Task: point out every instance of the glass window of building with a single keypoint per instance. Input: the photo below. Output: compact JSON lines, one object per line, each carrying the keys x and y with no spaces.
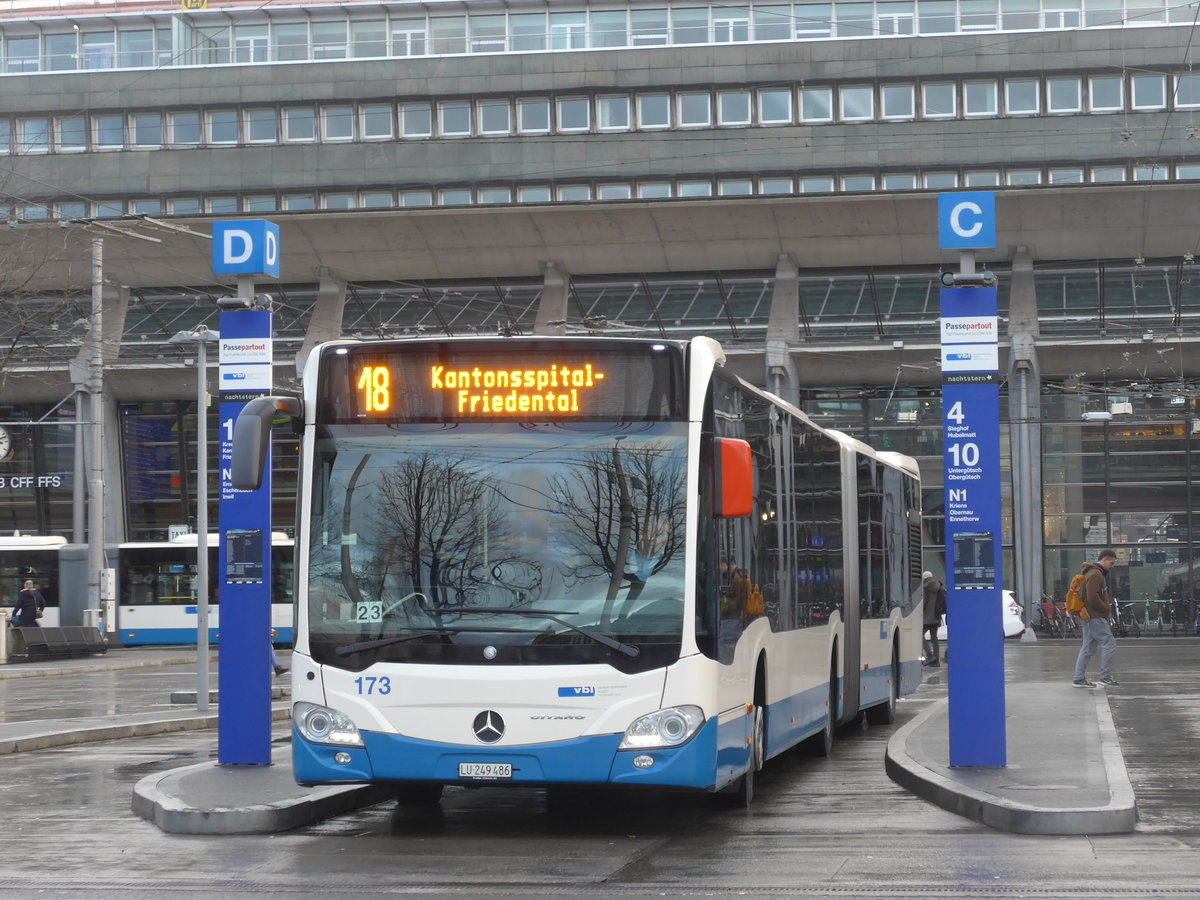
{"x":454,"y":118}
{"x":533,"y":194}
{"x":654,"y":190}
{"x":1151,"y":172}
{"x":112,"y":209}
{"x":776,"y":185}
{"x":33,"y":135}
{"x":33,"y":212}
{"x":568,"y":31}
{"x":896,"y":17}
{"x":735,"y":187}
{"x":979,"y":98}
{"x":409,"y":37}
{"x":108,"y":132}
{"x":1023,"y":177}
{"x":897,"y":101}
{"x":610,"y":28}
{"x":299,"y":123}
{"x":184,"y":206}
{"x":1187,"y":171}
{"x":816,"y":104}
{"x":259,"y":203}
{"x":221,"y":205}
{"x":1108,"y":173}
{"x":291,"y":41}
{"x":694,"y":189}
{"x":448,"y":35}
{"x":375,"y":122}
{"x":416,"y":198}
{"x":1063,"y":95}
{"x":528,"y":32}
{"x":1106,"y":93}
{"x":689,"y":25}
{"x":533,"y":116}
{"x":1020,"y":15}
{"x":368,"y":38}
{"x":251,"y":44}
{"x":62,"y":52}
{"x":299,"y":202}
{"x":654,"y":111}
{"x":981,"y":179}
{"x":694,"y":110}
{"x":165,"y":55}
{"x":854,"y":20}
{"x":649,"y":27}
{"x":816,"y":184}
{"x":979,"y":15}
{"x":22,"y":55}
{"x":1021,"y":96}
{"x":455,"y":197}
{"x":495,"y":195}
{"x":1063,"y":13}
{"x":99,"y":49}
{"x":858,"y":182}
{"x":210,"y":45}
{"x":613,"y":192}
{"x":72,"y":209}
{"x":70,"y":133}
{"x":573,"y":113}
{"x":937,"y":16}
{"x":612,"y":113}
{"x":1066,"y":175}
{"x":813,"y":21}
{"x":574,"y":193}
{"x":900,"y":182}
{"x":330,"y":40}
{"x":730,"y":25}
{"x":775,"y":107}
{"x":772,"y":23}
{"x":1187,"y":90}
{"x":376,"y":199}
{"x":416,"y":120}
{"x":5,"y":137}
{"x":487,"y":34}
{"x":1102,"y":12}
{"x":733,"y":107}
{"x":495,"y":117}
{"x":183,"y":128}
{"x":262,"y":126}
{"x":223,"y":126}
{"x":337,"y":201}
{"x":939,"y":100}
{"x":941,"y":180}
{"x":856,"y":103}
{"x":337,"y":123}
{"x":1149,"y":91}
{"x":146,"y":129}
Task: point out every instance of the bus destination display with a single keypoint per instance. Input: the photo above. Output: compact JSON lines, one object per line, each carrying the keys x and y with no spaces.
{"x":494,"y":381}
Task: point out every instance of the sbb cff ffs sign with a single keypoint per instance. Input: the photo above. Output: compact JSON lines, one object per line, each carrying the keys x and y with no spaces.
{"x":246,"y":247}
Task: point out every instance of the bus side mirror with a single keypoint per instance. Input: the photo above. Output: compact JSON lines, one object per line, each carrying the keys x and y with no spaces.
{"x":252,"y":437}
{"x":733,"y":484}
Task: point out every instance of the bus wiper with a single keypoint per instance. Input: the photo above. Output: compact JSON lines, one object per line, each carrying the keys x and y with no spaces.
{"x":553,"y":615}
{"x":347,"y":649}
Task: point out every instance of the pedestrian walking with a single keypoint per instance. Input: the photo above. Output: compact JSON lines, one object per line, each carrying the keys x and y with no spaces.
{"x":279,"y":670}
{"x":934,"y":596}
{"x":29,"y":606}
{"x":1097,"y":632}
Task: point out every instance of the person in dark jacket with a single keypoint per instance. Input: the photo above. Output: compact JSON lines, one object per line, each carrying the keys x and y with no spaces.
{"x":29,"y":603}
{"x":1097,"y":632}
{"x":933,"y":595}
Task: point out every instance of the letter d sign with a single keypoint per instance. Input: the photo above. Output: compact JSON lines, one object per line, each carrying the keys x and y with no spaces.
{"x":246,"y":247}
{"x":967,"y":221}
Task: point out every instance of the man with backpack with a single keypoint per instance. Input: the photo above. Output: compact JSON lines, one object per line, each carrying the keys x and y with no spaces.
{"x":1097,"y":633}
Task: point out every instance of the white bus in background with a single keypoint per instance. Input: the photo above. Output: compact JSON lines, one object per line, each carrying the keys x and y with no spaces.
{"x":568,"y":561}
{"x":33,"y":558}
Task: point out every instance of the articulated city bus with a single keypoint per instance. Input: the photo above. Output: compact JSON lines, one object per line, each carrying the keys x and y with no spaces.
{"x":568,"y":561}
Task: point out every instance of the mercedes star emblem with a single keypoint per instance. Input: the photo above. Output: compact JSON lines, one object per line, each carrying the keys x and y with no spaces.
{"x":488,"y":727}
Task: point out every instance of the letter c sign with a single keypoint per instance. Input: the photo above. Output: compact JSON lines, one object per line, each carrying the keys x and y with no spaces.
{"x":967,"y":220}
{"x":246,"y":247}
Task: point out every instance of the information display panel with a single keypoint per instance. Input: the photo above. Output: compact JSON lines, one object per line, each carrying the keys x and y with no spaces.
{"x":502,"y":380}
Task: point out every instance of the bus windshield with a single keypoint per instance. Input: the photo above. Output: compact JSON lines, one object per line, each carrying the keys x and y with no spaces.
{"x":498,"y":543}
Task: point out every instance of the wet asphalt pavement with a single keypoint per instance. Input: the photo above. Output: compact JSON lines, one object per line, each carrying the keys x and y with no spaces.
{"x":819,"y":828}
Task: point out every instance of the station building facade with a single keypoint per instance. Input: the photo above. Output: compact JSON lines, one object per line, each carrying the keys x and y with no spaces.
{"x":764,"y":173}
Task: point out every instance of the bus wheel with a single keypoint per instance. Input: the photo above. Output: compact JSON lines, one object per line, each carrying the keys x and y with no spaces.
{"x":741,"y":793}
{"x":418,"y":793}
{"x":885,"y":713}
{"x":821,"y":743}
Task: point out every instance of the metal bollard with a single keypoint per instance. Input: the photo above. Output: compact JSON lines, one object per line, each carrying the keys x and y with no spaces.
{"x":3,"y":637}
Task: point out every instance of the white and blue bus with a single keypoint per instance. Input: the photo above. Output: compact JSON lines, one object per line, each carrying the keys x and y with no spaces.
{"x":576,"y":561}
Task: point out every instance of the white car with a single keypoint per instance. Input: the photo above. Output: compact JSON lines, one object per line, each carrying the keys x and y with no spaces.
{"x":1010,"y":617}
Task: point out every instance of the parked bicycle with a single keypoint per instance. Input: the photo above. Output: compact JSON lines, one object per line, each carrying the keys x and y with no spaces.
{"x":1124,"y":620}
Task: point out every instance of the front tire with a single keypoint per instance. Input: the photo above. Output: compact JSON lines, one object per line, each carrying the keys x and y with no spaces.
{"x":419,"y":794}
{"x":885,"y":713}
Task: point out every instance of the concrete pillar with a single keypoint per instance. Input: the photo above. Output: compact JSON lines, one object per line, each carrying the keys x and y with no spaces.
{"x":325,"y":323}
{"x":783,"y":331}
{"x":556,"y":298}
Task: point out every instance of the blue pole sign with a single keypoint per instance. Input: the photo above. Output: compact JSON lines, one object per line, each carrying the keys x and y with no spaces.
{"x":244,"y":555}
{"x":245,"y":247}
{"x":967,"y":220}
{"x":971,"y":446}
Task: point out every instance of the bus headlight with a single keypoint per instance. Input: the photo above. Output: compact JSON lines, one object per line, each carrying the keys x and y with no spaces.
{"x":665,"y":728}
{"x":323,"y":725}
